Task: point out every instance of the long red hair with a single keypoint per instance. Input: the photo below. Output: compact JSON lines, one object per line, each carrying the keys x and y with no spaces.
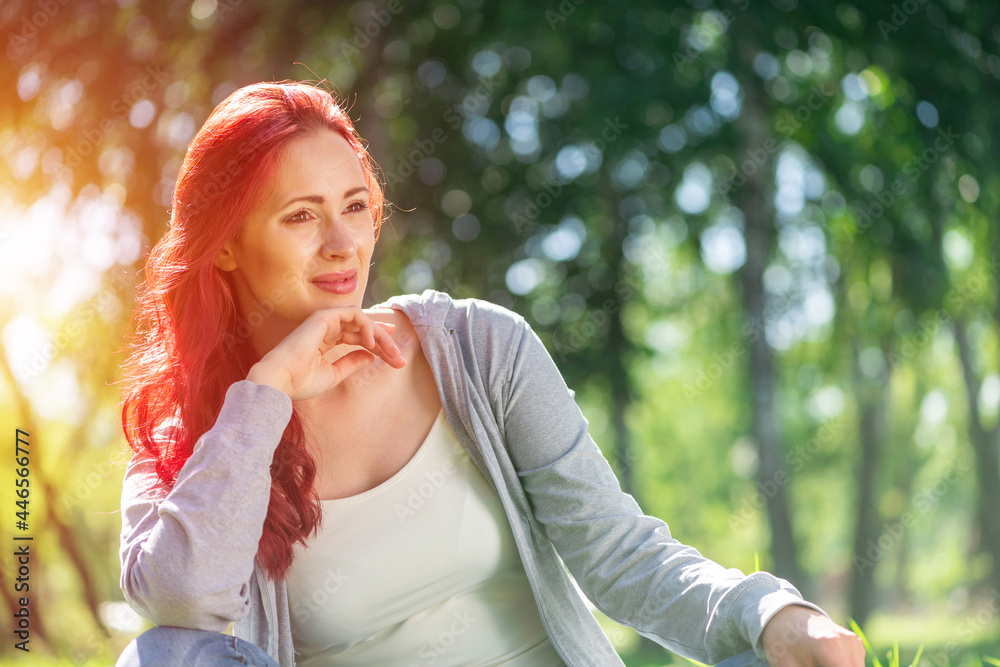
{"x":184,"y":348}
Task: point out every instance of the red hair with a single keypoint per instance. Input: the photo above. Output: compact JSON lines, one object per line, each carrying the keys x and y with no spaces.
{"x":184,"y":350}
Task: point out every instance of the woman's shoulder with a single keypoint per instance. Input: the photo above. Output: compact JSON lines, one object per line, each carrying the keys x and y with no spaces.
{"x":433,"y":307}
{"x":404,"y":335}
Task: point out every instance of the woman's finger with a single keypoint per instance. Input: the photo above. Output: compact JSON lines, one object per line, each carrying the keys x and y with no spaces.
{"x":351,"y":363}
{"x":351,"y":338}
{"x":386,"y":350}
{"x":389,"y":350}
{"x":341,"y":320}
{"x":349,"y":327}
{"x":375,"y":337}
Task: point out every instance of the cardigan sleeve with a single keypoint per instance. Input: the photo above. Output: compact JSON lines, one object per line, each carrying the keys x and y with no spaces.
{"x":187,"y":554}
{"x":626,"y":562}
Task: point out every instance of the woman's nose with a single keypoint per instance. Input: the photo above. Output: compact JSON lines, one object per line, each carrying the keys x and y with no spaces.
{"x":336,"y":239}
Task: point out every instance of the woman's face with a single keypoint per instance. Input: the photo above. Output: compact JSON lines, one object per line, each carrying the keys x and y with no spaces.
{"x":308,"y":245}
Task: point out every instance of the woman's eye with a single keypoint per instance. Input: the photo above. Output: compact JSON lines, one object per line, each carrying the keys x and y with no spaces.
{"x":357,"y":206}
{"x":298,"y":216}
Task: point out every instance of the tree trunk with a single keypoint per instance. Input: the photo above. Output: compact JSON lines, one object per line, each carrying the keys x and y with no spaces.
{"x":618,"y":344}
{"x":907,"y":472}
{"x":984,"y":444}
{"x":753,"y":199}
{"x":872,"y":428}
{"x":621,"y":396}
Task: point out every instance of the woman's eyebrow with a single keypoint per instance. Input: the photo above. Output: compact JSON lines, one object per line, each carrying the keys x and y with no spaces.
{"x":320,"y":199}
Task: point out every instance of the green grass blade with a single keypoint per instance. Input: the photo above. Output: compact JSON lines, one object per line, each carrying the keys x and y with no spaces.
{"x":864,"y":640}
{"x":992,"y":661}
{"x":916,"y":660}
{"x":894,"y":655}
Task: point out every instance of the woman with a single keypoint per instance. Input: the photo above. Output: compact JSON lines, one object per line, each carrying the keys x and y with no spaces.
{"x":393,"y":486}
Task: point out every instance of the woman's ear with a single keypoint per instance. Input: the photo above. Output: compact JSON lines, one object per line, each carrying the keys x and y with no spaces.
{"x":225,"y":259}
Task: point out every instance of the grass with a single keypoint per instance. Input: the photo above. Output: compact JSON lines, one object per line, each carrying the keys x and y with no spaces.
{"x":970,"y":656}
{"x":935,"y":632}
{"x":637,"y":653}
{"x":893,"y":655}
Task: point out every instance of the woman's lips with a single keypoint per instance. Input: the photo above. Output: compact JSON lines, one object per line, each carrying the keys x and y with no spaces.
{"x":343,"y":282}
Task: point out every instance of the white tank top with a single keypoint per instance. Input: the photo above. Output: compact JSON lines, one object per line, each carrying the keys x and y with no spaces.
{"x":420,"y":570}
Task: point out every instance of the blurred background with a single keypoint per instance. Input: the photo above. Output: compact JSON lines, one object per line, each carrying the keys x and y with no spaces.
{"x":759,"y":239}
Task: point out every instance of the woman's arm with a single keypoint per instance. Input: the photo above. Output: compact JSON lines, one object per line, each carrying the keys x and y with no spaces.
{"x":187,"y":555}
{"x":626,"y":562}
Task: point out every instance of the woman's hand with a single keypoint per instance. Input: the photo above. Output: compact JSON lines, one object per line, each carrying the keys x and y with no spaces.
{"x":798,"y":636}
{"x":296,"y":365}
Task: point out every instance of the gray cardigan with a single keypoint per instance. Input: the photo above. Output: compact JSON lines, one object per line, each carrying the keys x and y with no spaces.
{"x":187,"y":555}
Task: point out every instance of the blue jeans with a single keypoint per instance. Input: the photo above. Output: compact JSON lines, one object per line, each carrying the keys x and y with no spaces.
{"x":167,"y":646}
{"x":745,"y":659}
